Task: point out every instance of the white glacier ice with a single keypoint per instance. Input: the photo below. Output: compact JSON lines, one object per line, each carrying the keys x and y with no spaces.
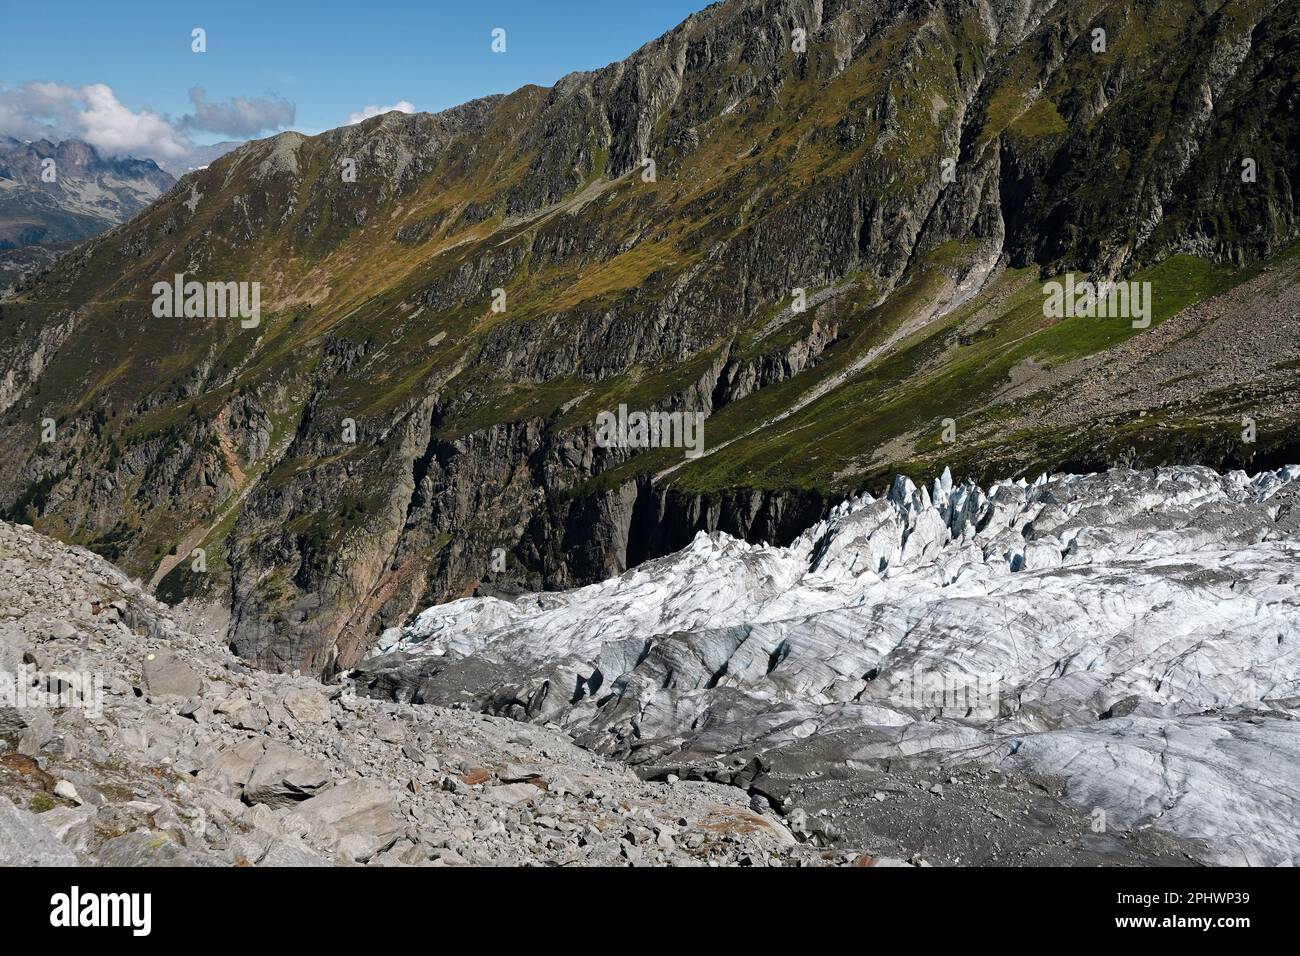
{"x":1133,"y":633}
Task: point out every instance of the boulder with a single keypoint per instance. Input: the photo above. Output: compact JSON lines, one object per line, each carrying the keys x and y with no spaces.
{"x":253,"y":717}
{"x":38,"y":732}
{"x":164,"y":674}
{"x":362,"y":813}
{"x":269,"y":772}
{"x":283,"y":776}
{"x":511,"y":794}
{"x":26,"y":841}
{"x":231,"y":704}
{"x":307,"y":706}
{"x":74,"y":828}
{"x":152,"y":849}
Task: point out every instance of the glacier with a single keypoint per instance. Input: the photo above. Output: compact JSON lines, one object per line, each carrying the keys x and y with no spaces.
{"x":1132,"y":634}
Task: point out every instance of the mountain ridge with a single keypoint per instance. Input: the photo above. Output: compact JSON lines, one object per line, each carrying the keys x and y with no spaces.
{"x":774,"y":171}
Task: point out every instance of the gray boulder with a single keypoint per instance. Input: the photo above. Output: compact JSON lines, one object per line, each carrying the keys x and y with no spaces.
{"x":307,"y":706}
{"x":268,"y":772}
{"x":152,"y":849}
{"x":164,"y":674}
{"x":362,"y":813}
{"x":73,"y":827}
{"x":26,"y":841}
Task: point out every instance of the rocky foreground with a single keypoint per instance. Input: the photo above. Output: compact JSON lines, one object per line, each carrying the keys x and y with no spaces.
{"x":174,"y":752}
{"x":1100,"y":668}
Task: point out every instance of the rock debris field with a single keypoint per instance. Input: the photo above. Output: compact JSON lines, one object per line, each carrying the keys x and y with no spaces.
{"x":194,"y":759}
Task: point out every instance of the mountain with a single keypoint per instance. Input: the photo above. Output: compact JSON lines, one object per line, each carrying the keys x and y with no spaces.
{"x":198,"y":157}
{"x":61,"y":192}
{"x":451,"y":304}
{"x":1132,"y":634}
{"x":21,"y":262}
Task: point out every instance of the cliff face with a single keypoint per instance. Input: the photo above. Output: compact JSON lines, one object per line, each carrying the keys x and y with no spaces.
{"x":448,"y":301}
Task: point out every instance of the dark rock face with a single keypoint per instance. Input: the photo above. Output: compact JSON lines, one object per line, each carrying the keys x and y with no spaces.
{"x":387,"y":437}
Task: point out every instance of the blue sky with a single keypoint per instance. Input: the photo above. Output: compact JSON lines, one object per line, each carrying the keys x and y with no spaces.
{"x":319,"y":61}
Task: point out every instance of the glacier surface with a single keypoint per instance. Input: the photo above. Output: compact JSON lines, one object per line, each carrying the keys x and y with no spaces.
{"x":1133,"y":634}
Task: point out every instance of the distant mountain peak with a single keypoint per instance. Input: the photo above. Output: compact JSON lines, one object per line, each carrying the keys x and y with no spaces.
{"x":66,"y":191}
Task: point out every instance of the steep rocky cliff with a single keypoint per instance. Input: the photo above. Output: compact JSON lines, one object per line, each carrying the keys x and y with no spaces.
{"x":825,"y":226}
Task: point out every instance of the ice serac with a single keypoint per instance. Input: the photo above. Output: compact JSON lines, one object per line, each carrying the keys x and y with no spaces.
{"x":1132,"y":633}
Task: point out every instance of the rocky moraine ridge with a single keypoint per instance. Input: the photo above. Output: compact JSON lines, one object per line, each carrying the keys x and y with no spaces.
{"x":184,"y":756}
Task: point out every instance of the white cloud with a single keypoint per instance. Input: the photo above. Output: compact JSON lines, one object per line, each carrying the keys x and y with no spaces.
{"x":37,"y":110}
{"x":113,"y":129}
{"x":240,"y":116}
{"x":94,"y":113}
{"x":402,"y":106}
